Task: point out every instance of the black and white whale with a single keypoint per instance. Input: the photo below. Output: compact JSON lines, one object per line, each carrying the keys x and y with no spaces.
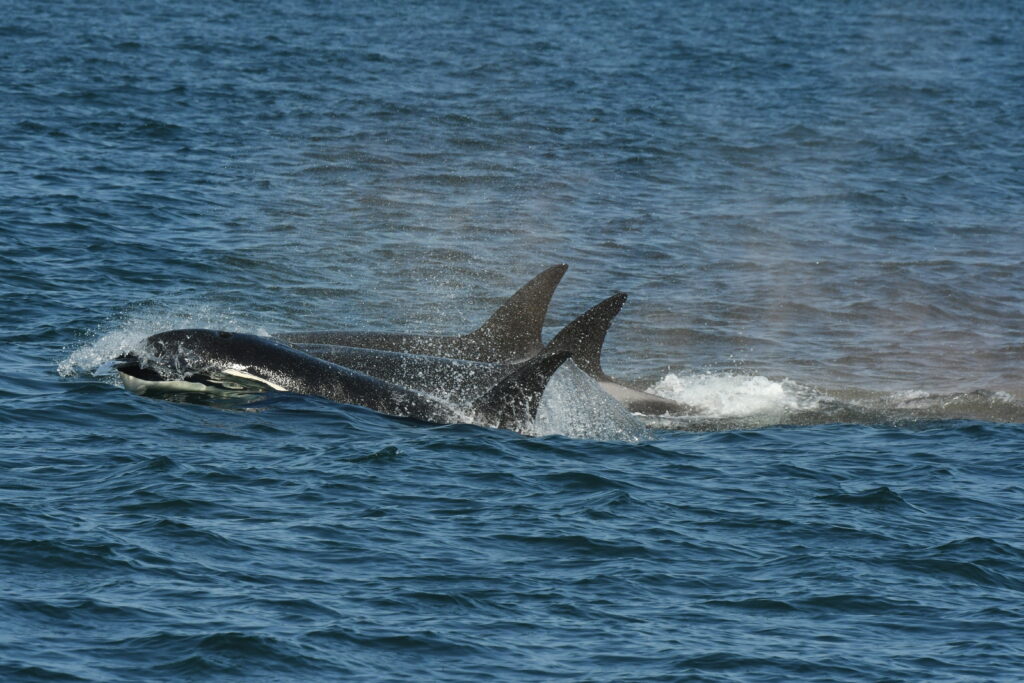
{"x":512,"y":333}
{"x":455,"y":365}
{"x":453,"y":377}
{"x":199,"y":359}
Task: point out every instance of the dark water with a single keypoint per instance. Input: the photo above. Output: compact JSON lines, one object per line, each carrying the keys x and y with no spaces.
{"x":816,"y":211}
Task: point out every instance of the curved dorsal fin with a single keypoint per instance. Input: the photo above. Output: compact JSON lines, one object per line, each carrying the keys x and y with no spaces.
{"x":513,"y":401}
{"x":514,"y":329}
{"x":584,"y":336}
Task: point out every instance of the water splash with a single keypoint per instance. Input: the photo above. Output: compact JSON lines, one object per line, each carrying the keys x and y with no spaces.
{"x":125,"y":333}
{"x":749,"y":401}
{"x":574,"y":405}
{"x":732,"y":396}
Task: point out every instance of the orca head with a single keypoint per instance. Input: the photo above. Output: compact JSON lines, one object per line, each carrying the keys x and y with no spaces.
{"x":195,"y":340}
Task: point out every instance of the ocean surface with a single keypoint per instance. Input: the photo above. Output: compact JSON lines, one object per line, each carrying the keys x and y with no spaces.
{"x":816,"y":208}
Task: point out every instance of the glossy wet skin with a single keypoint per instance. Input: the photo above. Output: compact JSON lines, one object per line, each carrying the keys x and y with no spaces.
{"x":510,"y":403}
{"x":445,"y":377}
{"x":200,"y":350}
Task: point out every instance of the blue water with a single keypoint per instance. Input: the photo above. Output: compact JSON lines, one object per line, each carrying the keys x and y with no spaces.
{"x":816,"y":211}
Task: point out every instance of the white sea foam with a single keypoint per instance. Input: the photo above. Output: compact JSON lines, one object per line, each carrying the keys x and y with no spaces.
{"x":908,"y":395}
{"x":732,"y":396}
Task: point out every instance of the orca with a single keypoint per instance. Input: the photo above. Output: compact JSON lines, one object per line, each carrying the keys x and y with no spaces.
{"x":454,"y":377}
{"x":445,"y":375}
{"x":512,"y":333}
{"x":584,"y":338}
{"x":212,"y":360}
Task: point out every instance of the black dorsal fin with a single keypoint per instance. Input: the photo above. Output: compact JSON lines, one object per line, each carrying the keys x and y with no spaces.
{"x":513,"y":331}
{"x":584,"y":336}
{"x":512,"y":403}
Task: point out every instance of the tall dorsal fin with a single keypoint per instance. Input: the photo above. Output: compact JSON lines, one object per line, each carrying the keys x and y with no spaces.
{"x":514,"y":329}
{"x":584,"y":336}
{"x":513,"y":401}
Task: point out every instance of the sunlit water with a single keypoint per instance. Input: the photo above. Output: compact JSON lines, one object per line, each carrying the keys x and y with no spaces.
{"x":816,"y":211}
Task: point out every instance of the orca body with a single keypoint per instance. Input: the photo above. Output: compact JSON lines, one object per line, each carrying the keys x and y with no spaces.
{"x":217,"y":360}
{"x":512,"y":333}
{"x":452,"y":377}
{"x":435,"y":375}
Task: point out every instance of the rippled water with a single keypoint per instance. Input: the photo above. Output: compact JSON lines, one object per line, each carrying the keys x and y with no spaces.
{"x":816,"y":211}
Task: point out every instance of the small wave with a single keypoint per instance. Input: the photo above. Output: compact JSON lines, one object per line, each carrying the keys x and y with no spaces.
{"x":959,"y":571}
{"x":78,"y":609}
{"x":422,"y":641}
{"x":881,"y":498}
{"x":981,"y":549}
{"x":15,"y":672}
{"x":64,"y":554}
{"x":860,"y":604}
{"x":977,"y":559}
{"x":578,"y":544}
{"x":220,"y":652}
{"x":383,"y":455}
{"x":755,"y":605}
{"x":158,"y":129}
{"x":583,"y":481}
{"x":781,"y":667}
